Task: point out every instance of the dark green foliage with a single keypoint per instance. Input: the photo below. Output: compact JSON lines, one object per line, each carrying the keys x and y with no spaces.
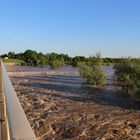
{"x":42,"y":59}
{"x":30,"y":57}
{"x":93,"y":72}
{"x":94,"y":75}
{"x":55,"y":64}
{"x":12,"y":55}
{"x":127,"y":71}
{"x":74,"y":63}
{"x":110,"y":61}
{"x":78,"y":60}
{"x":34,"y":58}
{"x":55,"y":60}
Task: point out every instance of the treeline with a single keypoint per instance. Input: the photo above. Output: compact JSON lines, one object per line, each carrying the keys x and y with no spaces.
{"x":127,"y":70}
{"x":33,"y":58}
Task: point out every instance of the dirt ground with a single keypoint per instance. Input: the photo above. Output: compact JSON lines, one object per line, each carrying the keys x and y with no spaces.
{"x":59,"y":106}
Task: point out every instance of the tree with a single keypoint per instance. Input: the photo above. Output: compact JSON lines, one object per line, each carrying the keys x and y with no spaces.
{"x":55,"y":60}
{"x":62,"y":61}
{"x":127,"y":72}
{"x":12,"y":55}
{"x":30,"y":57}
{"x":42,"y":59}
{"x":74,"y":63}
{"x":93,"y":72}
{"x":55,"y":64}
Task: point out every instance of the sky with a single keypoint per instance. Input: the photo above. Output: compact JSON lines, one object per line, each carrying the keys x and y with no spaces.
{"x":74,"y":27}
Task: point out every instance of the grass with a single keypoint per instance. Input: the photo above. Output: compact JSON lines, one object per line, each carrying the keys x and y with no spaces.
{"x":13,"y":61}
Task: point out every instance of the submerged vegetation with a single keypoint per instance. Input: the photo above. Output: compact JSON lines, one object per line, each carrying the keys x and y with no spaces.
{"x":127,"y":70}
{"x":92,"y":71}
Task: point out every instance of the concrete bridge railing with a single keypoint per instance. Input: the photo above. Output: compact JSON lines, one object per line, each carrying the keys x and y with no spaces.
{"x":19,"y":127}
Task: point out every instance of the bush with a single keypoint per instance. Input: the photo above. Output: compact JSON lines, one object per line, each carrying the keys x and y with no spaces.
{"x":74,"y":63}
{"x":56,"y":64}
{"x":94,"y":75}
{"x":93,"y":72}
{"x":128,"y":73}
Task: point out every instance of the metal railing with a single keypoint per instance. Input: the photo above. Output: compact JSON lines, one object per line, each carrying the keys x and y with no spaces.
{"x":19,"y":127}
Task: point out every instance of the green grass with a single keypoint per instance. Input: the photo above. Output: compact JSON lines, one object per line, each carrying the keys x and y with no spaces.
{"x":13,"y":61}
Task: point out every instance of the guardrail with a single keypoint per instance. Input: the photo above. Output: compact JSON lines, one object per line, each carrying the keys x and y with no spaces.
{"x":19,"y":127}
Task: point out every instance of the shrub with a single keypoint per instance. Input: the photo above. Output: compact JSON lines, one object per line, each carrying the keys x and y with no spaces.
{"x":93,"y":72}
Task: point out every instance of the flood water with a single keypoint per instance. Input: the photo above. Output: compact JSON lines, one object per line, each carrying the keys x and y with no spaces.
{"x":60,"y":105}
{"x":67,"y":79}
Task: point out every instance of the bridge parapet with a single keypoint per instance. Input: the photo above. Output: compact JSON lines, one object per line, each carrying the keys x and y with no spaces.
{"x":4,"y":129}
{"x":19,"y":127}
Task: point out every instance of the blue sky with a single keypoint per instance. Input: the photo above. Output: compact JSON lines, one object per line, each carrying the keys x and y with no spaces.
{"x":75,"y":27}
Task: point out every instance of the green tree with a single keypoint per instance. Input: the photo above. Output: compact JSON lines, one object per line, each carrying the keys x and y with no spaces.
{"x":93,"y":71}
{"x":30,"y":57}
{"x":55,"y":64}
{"x":55,"y":60}
{"x":12,"y":55}
{"x":62,"y":61}
{"x":127,"y":72}
{"x":42,"y":59}
{"x":74,"y":62}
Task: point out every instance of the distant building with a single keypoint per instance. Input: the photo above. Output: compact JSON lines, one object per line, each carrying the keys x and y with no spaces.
{"x":5,"y":57}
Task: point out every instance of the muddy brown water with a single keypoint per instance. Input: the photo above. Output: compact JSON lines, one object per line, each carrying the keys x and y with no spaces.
{"x":60,"y":105}
{"x":71,"y":82}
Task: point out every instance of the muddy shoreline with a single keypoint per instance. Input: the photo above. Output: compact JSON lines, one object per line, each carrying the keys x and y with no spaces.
{"x":59,"y":106}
